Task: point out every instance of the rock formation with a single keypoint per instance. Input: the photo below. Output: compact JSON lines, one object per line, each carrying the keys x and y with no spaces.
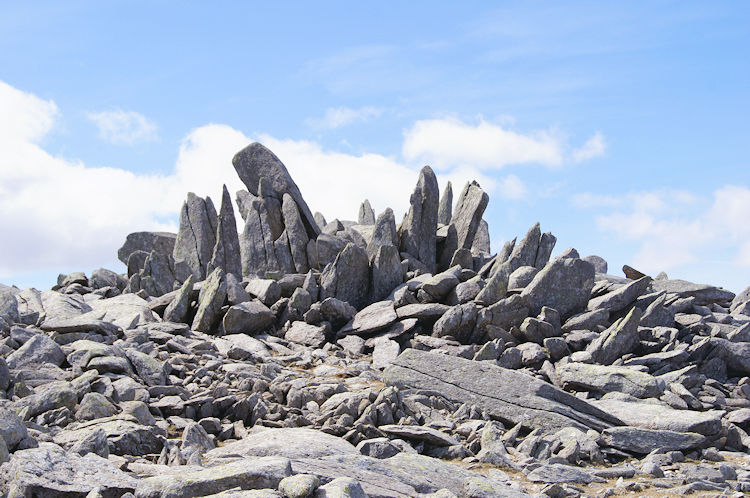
{"x":305,"y":358}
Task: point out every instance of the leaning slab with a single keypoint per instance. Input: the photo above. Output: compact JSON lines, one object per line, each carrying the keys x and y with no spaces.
{"x":508,"y":395}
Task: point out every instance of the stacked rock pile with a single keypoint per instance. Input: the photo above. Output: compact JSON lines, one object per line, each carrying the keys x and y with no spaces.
{"x":297,"y":357}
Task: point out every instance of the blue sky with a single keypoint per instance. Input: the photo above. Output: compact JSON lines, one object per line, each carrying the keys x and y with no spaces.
{"x":622,"y":127}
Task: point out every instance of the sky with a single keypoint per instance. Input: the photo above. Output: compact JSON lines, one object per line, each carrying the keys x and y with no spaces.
{"x":622,"y":127}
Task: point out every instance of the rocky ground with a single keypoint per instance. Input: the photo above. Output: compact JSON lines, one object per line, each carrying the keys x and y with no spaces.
{"x":303,"y":358}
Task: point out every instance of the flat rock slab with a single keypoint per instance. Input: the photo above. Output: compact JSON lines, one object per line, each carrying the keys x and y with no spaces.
{"x":556,"y":473}
{"x":422,"y":311}
{"x":508,"y":395}
{"x":49,"y":471}
{"x":662,"y":417}
{"x":402,"y":475}
{"x":604,"y":379}
{"x":419,"y":433}
{"x":290,"y":443}
{"x":373,"y":318}
{"x":249,"y":473}
{"x":643,"y":441}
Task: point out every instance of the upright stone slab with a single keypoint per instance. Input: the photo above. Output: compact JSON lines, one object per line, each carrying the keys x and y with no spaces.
{"x":387,"y":272}
{"x":507,"y":395}
{"x":210,"y":300}
{"x":384,"y":234}
{"x":469,"y":210}
{"x":417,"y":232}
{"x":296,"y":232}
{"x":366,"y":214}
{"x":481,"y":244}
{"x":445,"y":209}
{"x":226,"y":254}
{"x":524,"y":253}
{"x":197,"y":235}
{"x":546,"y":245}
{"x":255,"y":162}
{"x":347,"y":278}
{"x":256,"y":242}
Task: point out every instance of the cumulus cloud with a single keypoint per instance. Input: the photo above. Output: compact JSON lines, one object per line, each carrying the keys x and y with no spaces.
{"x":123,"y":127}
{"x":511,"y":187}
{"x":60,"y":214}
{"x":450,"y":142}
{"x":676,"y":228}
{"x":594,"y":147}
{"x":337,"y":117}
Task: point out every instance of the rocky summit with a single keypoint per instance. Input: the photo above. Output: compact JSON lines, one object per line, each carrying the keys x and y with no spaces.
{"x":297,"y":357}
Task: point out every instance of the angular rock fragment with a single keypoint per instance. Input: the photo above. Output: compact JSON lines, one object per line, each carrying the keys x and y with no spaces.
{"x":226,"y":252}
{"x":161,"y":242}
{"x":197,"y":235}
{"x":250,"y":317}
{"x":506,"y":395}
{"x":211,"y":299}
{"x":469,"y":210}
{"x":177,"y":310}
{"x":617,"y":340}
{"x":563,"y":285}
{"x":417,"y":231}
{"x":296,"y":232}
{"x":366,"y":214}
{"x":445,"y":207}
{"x":347,"y":278}
{"x":643,"y":441}
{"x":387,"y":272}
{"x":621,"y":298}
{"x":604,"y":379}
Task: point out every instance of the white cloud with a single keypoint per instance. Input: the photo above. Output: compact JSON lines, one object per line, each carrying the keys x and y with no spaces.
{"x":123,"y":127}
{"x":594,"y":147}
{"x":450,"y":142}
{"x":676,"y":229}
{"x":511,"y":187}
{"x":59,"y":214}
{"x":336,"y":117}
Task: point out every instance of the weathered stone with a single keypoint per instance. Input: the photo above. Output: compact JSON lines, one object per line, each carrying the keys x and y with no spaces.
{"x":197,"y":235}
{"x":148,"y":368}
{"x":469,"y":210}
{"x":347,"y":278}
{"x":504,"y":394}
{"x":417,"y":231}
{"x":210,"y":300}
{"x":303,"y":333}
{"x":366,"y":214}
{"x":384,"y":233}
{"x":125,"y":436}
{"x":161,"y":242}
{"x":384,"y":353}
{"x":293,"y":443}
{"x":422,"y":311}
{"x":373,"y":318}
{"x":283,"y":254}
{"x":522,"y":277}
{"x":387,"y":272}
{"x":621,"y":298}
{"x":600,"y":264}
{"x":268,"y":291}
{"x":458,"y":322}
{"x":250,"y":317}
{"x":496,"y":287}
{"x":177,"y":310}
{"x":49,"y":471}
{"x":93,"y":406}
{"x":226,"y":251}
{"x":659,"y":416}
{"x":297,"y":233}
{"x":617,"y":340}
{"x":639,"y":440}
{"x":255,"y":162}
{"x":12,"y":428}
{"x":481,"y":245}
{"x":588,"y":320}
{"x":600,"y":378}
{"x":557,"y":472}
{"x":546,"y":245}
{"x":341,"y":487}
{"x":563,"y":285}
{"x":419,"y":433}
{"x":39,"y":349}
{"x":250,"y":473}
{"x":441,"y":284}
{"x":703,"y":294}
{"x":445,"y":208}
{"x":47,"y":397}
{"x":324,"y":250}
{"x":524,"y":253}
